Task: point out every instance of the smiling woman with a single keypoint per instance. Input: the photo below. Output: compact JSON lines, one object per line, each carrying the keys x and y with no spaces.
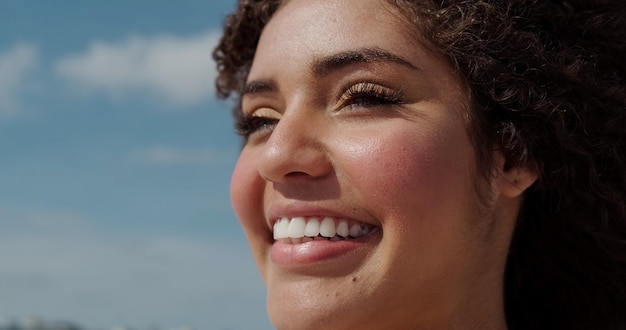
{"x":432,"y":165}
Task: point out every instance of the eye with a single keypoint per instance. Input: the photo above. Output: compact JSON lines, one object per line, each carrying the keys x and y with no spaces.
{"x":261,"y":120}
{"x":249,"y":125}
{"x":368,"y":95}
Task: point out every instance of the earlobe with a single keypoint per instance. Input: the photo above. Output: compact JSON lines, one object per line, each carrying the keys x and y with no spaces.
{"x":514,"y":181}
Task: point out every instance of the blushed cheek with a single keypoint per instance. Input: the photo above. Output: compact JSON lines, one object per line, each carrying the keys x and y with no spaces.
{"x":416,"y":173}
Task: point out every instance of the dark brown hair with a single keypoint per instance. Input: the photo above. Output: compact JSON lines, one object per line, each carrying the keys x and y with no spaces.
{"x":548,"y":88}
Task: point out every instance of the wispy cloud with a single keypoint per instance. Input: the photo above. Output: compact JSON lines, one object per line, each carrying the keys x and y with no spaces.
{"x":16,"y":64}
{"x":57,"y":220}
{"x":35,"y":219}
{"x":178,"y":69}
{"x":173,"y":156}
{"x":100,"y":281}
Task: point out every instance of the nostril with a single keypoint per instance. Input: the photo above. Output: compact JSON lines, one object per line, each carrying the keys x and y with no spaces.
{"x":296,"y":175}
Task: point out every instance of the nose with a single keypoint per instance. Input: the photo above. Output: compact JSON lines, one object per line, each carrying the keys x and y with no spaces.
{"x":295,"y":150}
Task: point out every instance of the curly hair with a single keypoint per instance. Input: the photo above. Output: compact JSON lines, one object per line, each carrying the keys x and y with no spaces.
{"x":547,"y":79}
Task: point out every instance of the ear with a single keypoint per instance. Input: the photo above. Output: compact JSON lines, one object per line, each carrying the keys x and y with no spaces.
{"x":512,"y":182}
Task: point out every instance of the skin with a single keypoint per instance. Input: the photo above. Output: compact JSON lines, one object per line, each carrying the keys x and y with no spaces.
{"x":437,"y":259}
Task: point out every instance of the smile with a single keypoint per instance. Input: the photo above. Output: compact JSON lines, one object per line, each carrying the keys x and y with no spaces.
{"x":299,"y":230}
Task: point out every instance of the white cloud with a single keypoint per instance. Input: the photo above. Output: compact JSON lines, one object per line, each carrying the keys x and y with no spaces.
{"x":178,"y":69}
{"x":15,"y":65}
{"x":172,"y":156}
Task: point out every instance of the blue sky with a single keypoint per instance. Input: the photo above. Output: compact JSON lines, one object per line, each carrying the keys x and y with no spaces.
{"x":114,"y":168}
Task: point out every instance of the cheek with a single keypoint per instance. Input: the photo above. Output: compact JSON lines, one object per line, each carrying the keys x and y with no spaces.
{"x":404,"y":174}
{"x":420,"y":187}
{"x":246,"y":192}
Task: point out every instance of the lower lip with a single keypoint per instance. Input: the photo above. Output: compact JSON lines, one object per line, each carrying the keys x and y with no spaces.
{"x":293,"y":255}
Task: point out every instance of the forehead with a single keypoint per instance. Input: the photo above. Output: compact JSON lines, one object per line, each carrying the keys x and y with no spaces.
{"x":332,"y":14}
{"x":315,"y":28}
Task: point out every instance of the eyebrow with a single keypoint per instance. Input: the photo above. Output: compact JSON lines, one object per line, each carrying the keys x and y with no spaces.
{"x":258,"y":86}
{"x":328,"y":64}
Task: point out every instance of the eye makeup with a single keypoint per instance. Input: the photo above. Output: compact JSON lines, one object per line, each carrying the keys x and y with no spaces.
{"x":368,"y":95}
{"x":358,"y":96}
{"x":246,"y":125}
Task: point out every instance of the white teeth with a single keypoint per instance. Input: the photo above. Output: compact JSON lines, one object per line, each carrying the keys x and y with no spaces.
{"x":342,"y":229}
{"x":312,"y":228}
{"x":302,"y":230}
{"x":327,"y":227}
{"x":296,"y":227}
{"x":281,"y":229}
{"x":355,"y":231}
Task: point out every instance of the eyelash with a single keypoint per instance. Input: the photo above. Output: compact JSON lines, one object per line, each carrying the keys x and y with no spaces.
{"x":249,"y":124}
{"x":363,"y":95}
{"x":367,"y":95}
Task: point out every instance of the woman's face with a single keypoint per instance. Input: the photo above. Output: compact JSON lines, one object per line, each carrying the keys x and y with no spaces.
{"x":357,"y":186}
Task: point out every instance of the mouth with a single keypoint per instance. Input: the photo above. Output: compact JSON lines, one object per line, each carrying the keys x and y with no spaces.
{"x":299,"y":230}
{"x":302,"y":242}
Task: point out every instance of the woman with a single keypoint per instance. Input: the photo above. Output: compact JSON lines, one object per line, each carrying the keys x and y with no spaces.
{"x":432,"y":164}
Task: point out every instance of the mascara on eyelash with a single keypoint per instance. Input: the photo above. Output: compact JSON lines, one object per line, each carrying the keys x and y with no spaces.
{"x":248,"y":124}
{"x":380,"y":93}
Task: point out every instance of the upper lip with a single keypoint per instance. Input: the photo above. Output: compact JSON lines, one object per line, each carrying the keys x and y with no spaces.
{"x":296,"y":209}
